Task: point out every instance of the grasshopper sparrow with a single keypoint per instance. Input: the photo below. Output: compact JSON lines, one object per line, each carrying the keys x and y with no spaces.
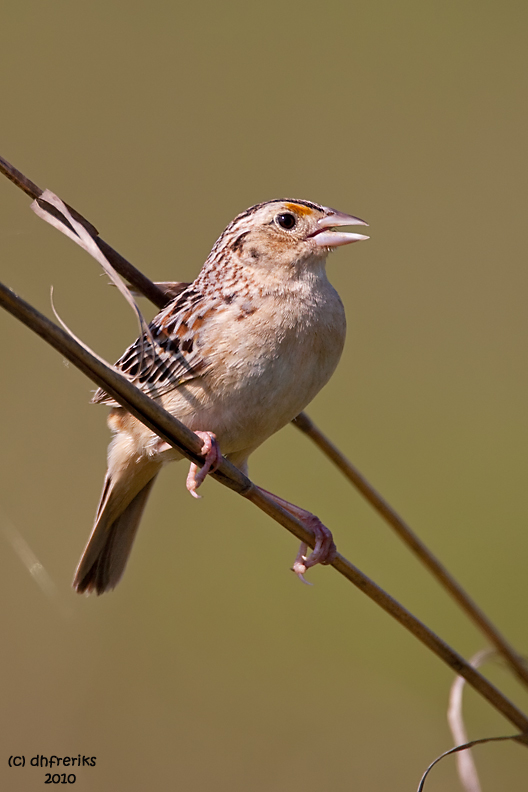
{"x":235,"y":356}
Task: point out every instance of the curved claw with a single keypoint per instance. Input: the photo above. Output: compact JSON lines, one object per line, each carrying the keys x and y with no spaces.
{"x":213,"y":457}
{"x":324,"y":551}
{"x":299,"y":565}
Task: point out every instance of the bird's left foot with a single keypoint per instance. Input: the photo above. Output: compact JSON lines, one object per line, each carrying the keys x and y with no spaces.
{"x":213,"y":457}
{"x":324,"y":551}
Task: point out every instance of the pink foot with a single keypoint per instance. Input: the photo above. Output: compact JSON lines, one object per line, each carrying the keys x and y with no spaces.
{"x":213,"y":457}
{"x":324,"y":551}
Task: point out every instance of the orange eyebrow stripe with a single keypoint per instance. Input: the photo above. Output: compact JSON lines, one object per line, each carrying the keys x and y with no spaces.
{"x":299,"y":209}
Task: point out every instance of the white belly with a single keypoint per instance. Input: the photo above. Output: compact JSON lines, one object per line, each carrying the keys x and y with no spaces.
{"x":266,"y":375}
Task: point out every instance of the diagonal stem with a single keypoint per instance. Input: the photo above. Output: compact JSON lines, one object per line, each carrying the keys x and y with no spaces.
{"x":407,"y":535}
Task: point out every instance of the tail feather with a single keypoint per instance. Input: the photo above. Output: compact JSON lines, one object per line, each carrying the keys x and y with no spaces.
{"x":106,"y":554}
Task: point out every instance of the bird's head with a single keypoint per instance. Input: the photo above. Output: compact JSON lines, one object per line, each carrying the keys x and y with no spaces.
{"x":286,"y":233}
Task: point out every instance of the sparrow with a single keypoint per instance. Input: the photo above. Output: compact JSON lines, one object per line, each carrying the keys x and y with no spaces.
{"x":235,"y":356}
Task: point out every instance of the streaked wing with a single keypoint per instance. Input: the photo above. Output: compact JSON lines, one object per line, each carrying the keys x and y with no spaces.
{"x":174,"y":358}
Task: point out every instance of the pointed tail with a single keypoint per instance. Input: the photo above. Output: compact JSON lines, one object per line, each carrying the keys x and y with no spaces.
{"x":106,"y":554}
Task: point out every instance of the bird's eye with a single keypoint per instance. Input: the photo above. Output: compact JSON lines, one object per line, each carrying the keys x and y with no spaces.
{"x":286,"y":221}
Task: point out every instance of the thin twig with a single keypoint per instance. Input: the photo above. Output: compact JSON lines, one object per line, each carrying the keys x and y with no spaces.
{"x":306,"y":425}
{"x":175,"y":433}
{"x":518,"y":738}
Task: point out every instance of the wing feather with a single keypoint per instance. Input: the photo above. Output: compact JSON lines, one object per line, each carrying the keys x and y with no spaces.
{"x":172,"y":357}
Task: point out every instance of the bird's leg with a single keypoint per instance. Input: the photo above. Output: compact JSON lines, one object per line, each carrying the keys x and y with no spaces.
{"x":324,"y":551}
{"x":213,"y":457}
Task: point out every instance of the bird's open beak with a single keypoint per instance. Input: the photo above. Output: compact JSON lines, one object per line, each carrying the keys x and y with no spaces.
{"x":325,"y":237}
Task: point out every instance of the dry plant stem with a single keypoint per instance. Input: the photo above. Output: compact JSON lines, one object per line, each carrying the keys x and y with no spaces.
{"x":120,"y":264}
{"x":466,"y":768}
{"x":306,"y":425}
{"x":175,"y":433}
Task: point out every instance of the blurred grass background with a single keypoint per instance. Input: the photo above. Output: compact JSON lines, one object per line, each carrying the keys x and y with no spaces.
{"x":210,"y":667}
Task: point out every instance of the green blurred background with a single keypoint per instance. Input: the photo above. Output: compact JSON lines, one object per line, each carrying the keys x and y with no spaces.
{"x":211,"y":667}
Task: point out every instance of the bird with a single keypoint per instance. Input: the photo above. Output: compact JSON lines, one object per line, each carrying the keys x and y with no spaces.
{"x":235,"y":355}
